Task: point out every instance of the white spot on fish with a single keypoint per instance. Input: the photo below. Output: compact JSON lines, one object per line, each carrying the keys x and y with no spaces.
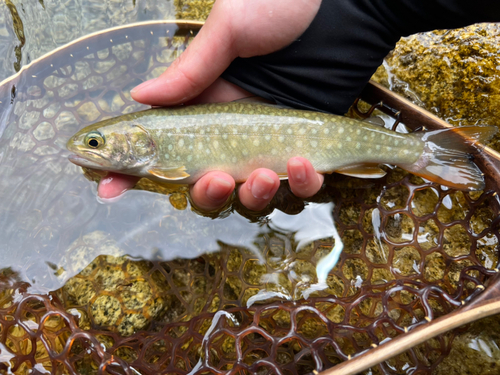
{"x":405,"y":142}
{"x":389,"y":148}
{"x":244,"y":136}
{"x":348,"y":139}
{"x":341,"y":130}
{"x":365,"y":138}
{"x":200,"y":146}
{"x":244,"y":152}
{"x":377,"y":147}
{"x":222,"y":156}
{"x":396,"y":142}
{"x":289,"y":131}
{"x":234,"y":159}
{"x":406,"y":152}
{"x":288,"y":149}
{"x":281,"y":138}
{"x":326,"y":130}
{"x":372,"y":135}
{"x":299,"y":143}
{"x":358,"y":145}
{"x":234,"y":144}
{"x":256,"y":142}
{"x":274,"y":151}
{"x":267,"y":137}
{"x":207,"y":151}
{"x":224,"y":136}
{"x":189,"y":157}
{"x":167,"y":156}
{"x":382,"y":136}
{"x":302,"y":131}
{"x":358,"y":131}
{"x":339,"y":145}
{"x":216,"y":144}
{"x":170,"y":147}
{"x":181,"y":142}
{"x":314,"y":143}
{"x":314,"y":131}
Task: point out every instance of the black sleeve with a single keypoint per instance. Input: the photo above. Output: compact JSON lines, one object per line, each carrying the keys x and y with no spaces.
{"x":328,"y":66}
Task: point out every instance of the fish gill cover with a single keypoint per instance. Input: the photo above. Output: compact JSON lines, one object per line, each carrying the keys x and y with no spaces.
{"x":91,"y":288}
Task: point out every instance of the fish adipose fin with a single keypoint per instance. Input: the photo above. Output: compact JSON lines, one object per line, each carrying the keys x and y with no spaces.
{"x":170,"y":174}
{"x":362,"y":171}
{"x":445,"y":159}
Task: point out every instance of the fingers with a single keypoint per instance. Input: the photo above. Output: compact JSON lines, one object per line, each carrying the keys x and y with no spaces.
{"x":212,"y":190}
{"x":304,"y":181}
{"x":114,"y":185}
{"x":208,"y":55}
{"x":256,"y":193}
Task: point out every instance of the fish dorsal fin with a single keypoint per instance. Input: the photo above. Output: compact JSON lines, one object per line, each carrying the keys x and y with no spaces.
{"x":170,"y":174}
{"x":375,"y":120}
{"x":362,"y":171}
{"x":253,"y":100}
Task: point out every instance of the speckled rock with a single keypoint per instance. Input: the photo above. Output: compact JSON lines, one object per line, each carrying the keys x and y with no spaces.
{"x":453,"y":73}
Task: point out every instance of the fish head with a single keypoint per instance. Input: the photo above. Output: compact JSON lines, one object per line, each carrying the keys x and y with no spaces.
{"x":118,"y":147}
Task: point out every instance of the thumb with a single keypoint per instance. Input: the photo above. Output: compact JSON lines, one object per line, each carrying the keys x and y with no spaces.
{"x":198,"y":67}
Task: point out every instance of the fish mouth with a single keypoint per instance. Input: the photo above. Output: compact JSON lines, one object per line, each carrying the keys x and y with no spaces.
{"x":82,"y":162}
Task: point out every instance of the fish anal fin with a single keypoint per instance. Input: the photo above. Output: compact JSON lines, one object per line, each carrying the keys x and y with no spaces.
{"x":170,"y":174}
{"x":362,"y":171}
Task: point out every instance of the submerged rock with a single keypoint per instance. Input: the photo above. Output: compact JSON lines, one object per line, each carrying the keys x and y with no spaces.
{"x":454,"y":74}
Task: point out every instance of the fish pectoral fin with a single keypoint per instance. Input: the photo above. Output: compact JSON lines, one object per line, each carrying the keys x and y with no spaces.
{"x":170,"y":174}
{"x":362,"y":171}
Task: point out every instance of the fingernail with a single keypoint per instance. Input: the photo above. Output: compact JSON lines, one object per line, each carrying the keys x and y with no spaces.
{"x":143,"y":85}
{"x":218,"y":189}
{"x":299,"y":170}
{"x":262,"y":186}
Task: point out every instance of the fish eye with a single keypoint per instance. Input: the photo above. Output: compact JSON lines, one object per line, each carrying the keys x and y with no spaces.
{"x":94,"y":139}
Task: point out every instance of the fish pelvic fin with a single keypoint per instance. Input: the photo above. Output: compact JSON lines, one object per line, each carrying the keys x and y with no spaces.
{"x":170,"y":174}
{"x":446,"y":160}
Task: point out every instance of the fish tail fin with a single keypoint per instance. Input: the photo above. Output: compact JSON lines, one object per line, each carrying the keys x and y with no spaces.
{"x":446,"y":160}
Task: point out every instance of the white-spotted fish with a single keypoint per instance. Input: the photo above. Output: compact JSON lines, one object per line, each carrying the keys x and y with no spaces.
{"x":181,"y":144}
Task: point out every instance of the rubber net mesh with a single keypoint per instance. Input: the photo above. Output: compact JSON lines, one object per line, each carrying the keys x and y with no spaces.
{"x":413,"y":251}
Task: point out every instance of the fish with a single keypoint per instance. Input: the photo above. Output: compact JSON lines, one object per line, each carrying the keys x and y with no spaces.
{"x":181,"y":144}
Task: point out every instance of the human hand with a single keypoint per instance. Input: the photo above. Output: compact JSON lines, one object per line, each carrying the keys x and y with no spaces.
{"x":235,"y":28}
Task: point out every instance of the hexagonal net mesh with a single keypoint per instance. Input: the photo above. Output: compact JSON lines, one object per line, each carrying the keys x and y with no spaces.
{"x":413,"y":250}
